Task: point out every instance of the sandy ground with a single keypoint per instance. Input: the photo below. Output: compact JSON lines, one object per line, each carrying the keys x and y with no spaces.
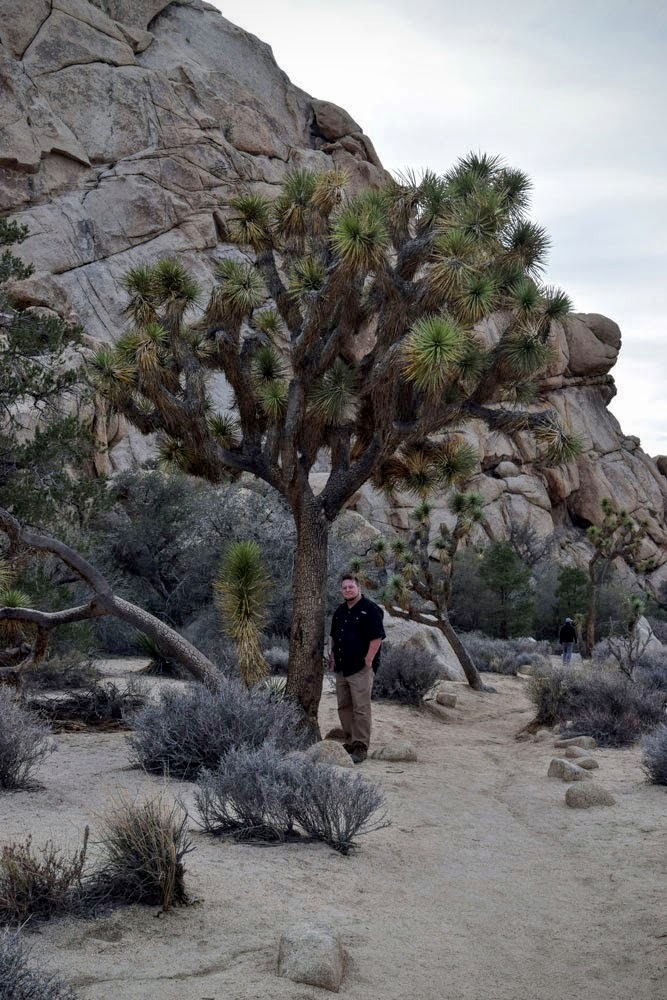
{"x":486,"y":886}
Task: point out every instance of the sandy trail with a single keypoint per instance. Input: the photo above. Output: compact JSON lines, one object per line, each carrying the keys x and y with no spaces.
{"x":485,"y":887}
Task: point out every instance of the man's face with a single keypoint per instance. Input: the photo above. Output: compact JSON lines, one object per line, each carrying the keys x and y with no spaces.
{"x":350,"y":590}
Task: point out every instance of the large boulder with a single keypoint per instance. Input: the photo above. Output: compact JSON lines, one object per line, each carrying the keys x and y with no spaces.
{"x":402,"y":633}
{"x":126,"y":129}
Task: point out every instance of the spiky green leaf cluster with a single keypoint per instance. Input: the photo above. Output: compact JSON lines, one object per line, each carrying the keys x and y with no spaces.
{"x":434,"y":345}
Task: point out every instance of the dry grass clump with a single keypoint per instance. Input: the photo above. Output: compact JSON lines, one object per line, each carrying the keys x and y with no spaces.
{"x":24,"y":743}
{"x":39,"y":882}
{"x":20,"y":981}
{"x":144,"y":846}
{"x":185,"y":731}
{"x":60,"y":673}
{"x":262,"y":795}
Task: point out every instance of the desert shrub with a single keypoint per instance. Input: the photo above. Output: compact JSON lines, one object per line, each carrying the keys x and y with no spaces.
{"x":659,"y":626}
{"x":335,"y":806}
{"x":96,"y":705}
{"x":405,"y":674}
{"x":24,"y":742}
{"x":262,"y":794}
{"x":205,"y":634}
{"x":538,"y":661}
{"x":21,"y":981}
{"x":277,"y":658}
{"x":251,"y":795}
{"x":600,"y":703}
{"x":36,"y":883}
{"x":60,"y":673}
{"x":144,"y":845}
{"x":187,"y":730}
{"x":654,"y":757}
{"x":504,"y":656}
{"x":651,"y":670}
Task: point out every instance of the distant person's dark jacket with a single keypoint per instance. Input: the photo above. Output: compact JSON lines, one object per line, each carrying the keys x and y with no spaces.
{"x":568,"y":633}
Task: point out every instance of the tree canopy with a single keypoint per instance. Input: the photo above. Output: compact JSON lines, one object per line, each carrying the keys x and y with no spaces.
{"x":348,"y":324}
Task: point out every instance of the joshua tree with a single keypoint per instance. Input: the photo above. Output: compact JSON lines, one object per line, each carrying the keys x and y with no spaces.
{"x":619,"y":535}
{"x":241,"y":591}
{"x":408,"y":576}
{"x":347,"y":326}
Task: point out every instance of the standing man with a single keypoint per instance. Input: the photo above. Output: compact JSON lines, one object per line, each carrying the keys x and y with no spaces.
{"x":356,"y":636}
{"x":567,"y":638}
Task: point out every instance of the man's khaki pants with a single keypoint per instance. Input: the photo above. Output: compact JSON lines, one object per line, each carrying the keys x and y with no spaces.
{"x":354,"y":705}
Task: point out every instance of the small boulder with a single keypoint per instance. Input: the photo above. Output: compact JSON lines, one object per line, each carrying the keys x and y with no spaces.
{"x":446,"y":698}
{"x":312,"y":954}
{"x":586,"y":742}
{"x":588,"y":763}
{"x":573,"y":753}
{"x":400,"y":750}
{"x":329,"y":752}
{"x":587,"y":796}
{"x":566,"y":770}
{"x":335,"y":734}
{"x":431,"y":705}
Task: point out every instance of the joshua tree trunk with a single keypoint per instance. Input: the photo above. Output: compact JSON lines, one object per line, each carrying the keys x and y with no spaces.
{"x":462,"y":654}
{"x":591,"y":620}
{"x":306,"y":653}
{"x":104,"y":602}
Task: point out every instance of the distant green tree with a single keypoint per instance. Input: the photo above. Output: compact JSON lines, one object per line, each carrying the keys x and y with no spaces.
{"x":508,"y":581}
{"x":40,"y":475}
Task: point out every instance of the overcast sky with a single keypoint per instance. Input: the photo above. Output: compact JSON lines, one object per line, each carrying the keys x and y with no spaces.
{"x":572,"y":92}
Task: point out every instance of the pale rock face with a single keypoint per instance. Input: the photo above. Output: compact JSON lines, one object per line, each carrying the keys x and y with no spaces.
{"x":125,"y":130}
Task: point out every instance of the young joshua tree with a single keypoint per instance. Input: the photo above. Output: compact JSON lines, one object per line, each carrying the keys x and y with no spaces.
{"x":348,"y":326}
{"x":241,"y":592}
{"x":409,"y":574}
{"x":618,"y":535}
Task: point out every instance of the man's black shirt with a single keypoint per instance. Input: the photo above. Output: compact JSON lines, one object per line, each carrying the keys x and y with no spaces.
{"x":567,"y":633}
{"x":352,"y":630}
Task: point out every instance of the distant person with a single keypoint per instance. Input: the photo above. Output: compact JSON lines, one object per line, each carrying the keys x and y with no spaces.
{"x":567,"y":638}
{"x":356,"y":636}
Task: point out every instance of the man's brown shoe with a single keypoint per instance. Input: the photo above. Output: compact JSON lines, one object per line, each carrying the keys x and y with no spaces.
{"x":359,"y":752}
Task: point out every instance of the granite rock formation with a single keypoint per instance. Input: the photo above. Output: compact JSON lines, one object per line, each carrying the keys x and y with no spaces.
{"x":125,"y":129}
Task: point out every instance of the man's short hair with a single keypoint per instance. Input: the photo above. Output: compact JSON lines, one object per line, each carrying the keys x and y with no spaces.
{"x":349,"y":576}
